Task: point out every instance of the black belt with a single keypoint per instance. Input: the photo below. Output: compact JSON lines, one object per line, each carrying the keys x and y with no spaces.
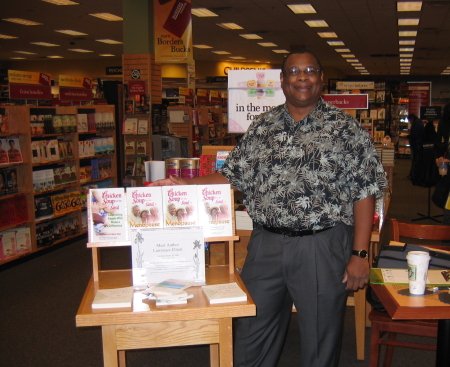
{"x":286,"y":232}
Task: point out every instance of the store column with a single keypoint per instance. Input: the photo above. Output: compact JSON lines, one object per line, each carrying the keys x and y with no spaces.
{"x":138,"y":60}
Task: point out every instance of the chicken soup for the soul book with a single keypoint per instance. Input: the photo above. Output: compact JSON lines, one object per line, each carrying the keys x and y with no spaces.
{"x":144,"y":206}
{"x":180,"y":206}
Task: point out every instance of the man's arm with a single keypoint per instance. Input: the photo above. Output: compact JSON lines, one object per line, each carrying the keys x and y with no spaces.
{"x":357,"y":271}
{"x":214,"y":178}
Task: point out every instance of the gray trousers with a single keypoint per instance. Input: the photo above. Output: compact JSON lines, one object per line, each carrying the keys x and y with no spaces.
{"x":306,"y":271}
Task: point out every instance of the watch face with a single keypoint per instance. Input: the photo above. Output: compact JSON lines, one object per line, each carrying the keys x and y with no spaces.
{"x":363,"y":254}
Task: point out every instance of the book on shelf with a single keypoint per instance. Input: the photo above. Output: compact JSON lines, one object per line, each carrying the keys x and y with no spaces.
{"x":113,"y":298}
{"x":142,"y":127}
{"x":207,"y":164}
{"x":129,"y":107}
{"x":4,"y":159}
{"x":53,"y":150}
{"x":130,"y":168}
{"x":7,"y":244}
{"x":3,"y":190}
{"x":224,"y":293}
{"x":129,"y":126}
{"x":13,"y":150}
{"x":12,"y":186}
{"x":23,"y":239}
{"x":43,"y":207}
{"x":130,"y":147}
{"x":4,"y":124}
{"x":82,"y":123}
{"x":141,"y":147}
{"x":221,"y":157}
{"x":44,"y":234}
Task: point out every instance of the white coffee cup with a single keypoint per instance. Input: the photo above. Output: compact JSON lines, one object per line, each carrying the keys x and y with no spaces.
{"x":417,"y":271}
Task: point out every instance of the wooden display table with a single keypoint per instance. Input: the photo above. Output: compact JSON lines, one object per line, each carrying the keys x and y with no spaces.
{"x":145,"y":325}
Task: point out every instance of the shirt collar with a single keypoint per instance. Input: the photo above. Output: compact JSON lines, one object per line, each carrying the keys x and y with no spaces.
{"x":315,"y":117}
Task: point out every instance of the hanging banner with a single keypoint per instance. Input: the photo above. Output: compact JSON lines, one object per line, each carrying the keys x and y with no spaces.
{"x":75,"y":82}
{"x":216,"y":97}
{"x":75,"y":94}
{"x":419,"y":96}
{"x":188,"y":95}
{"x":251,"y":92}
{"x":23,"y":91}
{"x":203,"y":97}
{"x":348,"y":101}
{"x":28,"y":77}
{"x":173,"y":31}
{"x":355,"y":85}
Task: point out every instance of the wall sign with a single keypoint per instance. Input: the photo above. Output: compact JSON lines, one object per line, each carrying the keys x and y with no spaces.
{"x":348,"y":101}
{"x":135,"y":74}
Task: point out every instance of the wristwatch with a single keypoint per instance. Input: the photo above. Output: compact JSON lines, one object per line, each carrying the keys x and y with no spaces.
{"x":361,"y":253}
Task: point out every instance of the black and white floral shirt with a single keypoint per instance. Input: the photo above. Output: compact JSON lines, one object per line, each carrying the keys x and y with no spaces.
{"x":305,"y":174}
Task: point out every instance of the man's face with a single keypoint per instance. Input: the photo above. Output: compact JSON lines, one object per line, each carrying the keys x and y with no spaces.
{"x":136,"y":211}
{"x":172,"y":209}
{"x":301,"y":90}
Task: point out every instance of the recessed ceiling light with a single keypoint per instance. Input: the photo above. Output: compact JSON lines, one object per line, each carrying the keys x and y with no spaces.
{"x":302,"y":8}
{"x":405,"y":60}
{"x":202,"y":46}
{"x":347,"y":55}
{"x":25,"y":52}
{"x":327,"y":34}
{"x":71,"y":33}
{"x":17,"y":58}
{"x":251,"y":36}
{"x":403,"y":22}
{"x":445,"y":73}
{"x":61,"y":2}
{"x":406,"y":49}
{"x":316,"y":23}
{"x":407,"y":33}
{"x":111,"y":42}
{"x":365,"y":73}
{"x":203,"y":12}
{"x":221,"y":52}
{"x":407,"y":42}
{"x":409,"y":5}
{"x":352,"y":60}
{"x":55,"y":57}
{"x":405,"y":64}
{"x":342,"y":50}
{"x":406,"y":55}
{"x":22,"y":21}
{"x":229,"y":25}
{"x":356,"y":64}
{"x":78,"y":50}
{"x":46,"y":44}
{"x":281,"y":51}
{"x":267,"y":44}
{"x":336,"y":43}
{"x":107,"y":16}
{"x":106,"y":55}
{"x":237,"y":57}
{"x":4,"y":36}
{"x":360,"y":68}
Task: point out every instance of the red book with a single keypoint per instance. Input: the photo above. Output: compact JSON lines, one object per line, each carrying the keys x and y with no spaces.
{"x":207,"y":164}
{"x":20,"y":209}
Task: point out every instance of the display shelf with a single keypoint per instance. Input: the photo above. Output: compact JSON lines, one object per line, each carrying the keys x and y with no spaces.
{"x":21,"y":126}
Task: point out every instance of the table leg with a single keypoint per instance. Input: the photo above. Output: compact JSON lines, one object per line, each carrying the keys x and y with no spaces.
{"x":214,"y":355}
{"x":443,"y":341}
{"x":360,"y":321}
{"x":226,"y":342}
{"x":109,"y":346}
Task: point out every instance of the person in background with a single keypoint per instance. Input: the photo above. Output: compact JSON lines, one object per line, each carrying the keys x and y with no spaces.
{"x":415,"y":138}
{"x":309,"y":174}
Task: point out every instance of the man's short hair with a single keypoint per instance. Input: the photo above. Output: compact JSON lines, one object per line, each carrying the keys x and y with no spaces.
{"x":300,"y":51}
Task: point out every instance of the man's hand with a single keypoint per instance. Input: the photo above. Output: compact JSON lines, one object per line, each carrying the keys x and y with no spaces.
{"x":356,"y":273}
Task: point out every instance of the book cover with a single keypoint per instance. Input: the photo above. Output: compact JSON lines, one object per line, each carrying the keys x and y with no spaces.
{"x":107,"y":215}
{"x":4,"y":159}
{"x":35,"y":152}
{"x":144,"y":207}
{"x":3,"y":182}
{"x":214,"y":205}
{"x":20,"y":209}
{"x":142,"y":127}
{"x":130,"y":126}
{"x":141,"y":147}
{"x":53,"y":150}
{"x":113,"y":298}
{"x":130,"y":147}
{"x":129,"y":107}
{"x":14,"y":152}
{"x":12,"y":185}
{"x":221,"y":157}
{"x":44,"y":234}
{"x":207,"y":164}
{"x":180,"y":206}
{"x":224,"y":293}
{"x":8,"y":241}
{"x":43,"y":151}
{"x":130,"y":168}
{"x":23,"y":239}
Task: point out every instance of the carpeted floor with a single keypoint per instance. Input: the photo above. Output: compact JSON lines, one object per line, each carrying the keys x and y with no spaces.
{"x":40,"y":297}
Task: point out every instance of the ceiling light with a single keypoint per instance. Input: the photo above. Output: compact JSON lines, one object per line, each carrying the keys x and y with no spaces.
{"x":402,"y":22}
{"x":106,"y":55}
{"x":237,"y":57}
{"x":229,"y":25}
{"x":107,"y":16}
{"x":78,"y":50}
{"x":111,"y":42}
{"x":221,"y":52}
{"x":445,"y":73}
{"x":405,"y":64}
{"x":407,"y":42}
{"x":347,"y":55}
{"x":302,"y":8}
{"x":17,"y":58}
{"x":352,"y":60}
{"x":365,"y":73}
{"x":281,"y":51}
{"x":360,"y":68}
{"x":251,"y":36}
{"x":4,"y":36}
{"x":342,"y":50}
{"x":202,"y":46}
{"x":336,"y":43}
{"x":356,"y":64}
{"x":409,"y":5}
{"x":406,"y":49}
{"x":406,"y":55}
{"x":316,"y":23}
{"x":405,"y":60}
{"x":71,"y":33}
{"x":25,"y":52}
{"x":407,"y":33}
{"x":203,"y":12}
{"x":327,"y":34}
{"x":21,"y":21}
{"x":267,"y":44}
{"x":46,"y":44}
{"x":55,"y":57}
{"x":61,"y":2}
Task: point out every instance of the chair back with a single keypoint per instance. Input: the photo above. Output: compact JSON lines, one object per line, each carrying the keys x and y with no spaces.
{"x":419,"y":231}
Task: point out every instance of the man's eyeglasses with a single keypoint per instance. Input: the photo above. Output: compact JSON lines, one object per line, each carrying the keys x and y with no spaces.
{"x":295,"y":71}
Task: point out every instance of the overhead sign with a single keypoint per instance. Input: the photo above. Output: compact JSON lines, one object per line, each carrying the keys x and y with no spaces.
{"x":348,"y":101}
{"x":22,"y":91}
{"x":75,"y":82}
{"x":75,"y":94}
{"x":135,"y":74}
{"x":251,"y":92}
{"x":114,"y":70}
{"x":187,"y":93}
{"x":29,"y":77}
{"x":216,"y":79}
{"x":203,"y":96}
{"x":355,"y":85}
{"x":430,"y":112}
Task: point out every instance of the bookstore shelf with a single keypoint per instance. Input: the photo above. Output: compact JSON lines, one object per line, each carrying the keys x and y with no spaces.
{"x":57,"y":144}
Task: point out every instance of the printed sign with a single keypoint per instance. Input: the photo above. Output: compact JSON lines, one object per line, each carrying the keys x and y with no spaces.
{"x":75,"y":82}
{"x":75,"y":94}
{"x":136,"y":88}
{"x":21,"y":91}
{"x":29,"y":77}
{"x":348,"y":101}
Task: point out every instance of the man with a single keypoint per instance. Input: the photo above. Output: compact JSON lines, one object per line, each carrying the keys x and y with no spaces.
{"x":136,"y":217}
{"x":310,"y":175}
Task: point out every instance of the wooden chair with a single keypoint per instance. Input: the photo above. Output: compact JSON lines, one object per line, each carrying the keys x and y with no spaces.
{"x":382,"y":322}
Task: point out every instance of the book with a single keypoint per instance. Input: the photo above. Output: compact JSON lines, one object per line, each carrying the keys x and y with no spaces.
{"x":82,"y":122}
{"x":180,"y":206}
{"x":141,"y":147}
{"x":130,"y":147}
{"x":4,"y":159}
{"x":129,"y":126}
{"x":130,"y":168}
{"x":142,"y":127}
{"x":144,"y":207}
{"x":113,"y":298}
{"x":221,"y":157}
{"x":224,"y":293}
{"x":129,"y":106}
{"x":207,"y":164}
{"x":14,"y":152}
